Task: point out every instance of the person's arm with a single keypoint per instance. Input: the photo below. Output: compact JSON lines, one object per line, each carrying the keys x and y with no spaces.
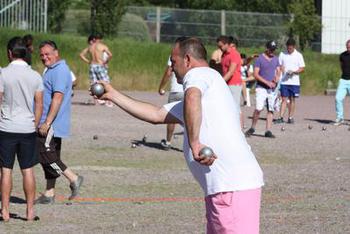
{"x":165,"y":79}
{"x":230,"y":72}
{"x":300,"y":70}
{"x":38,"y":100}
{"x":193,"y":120}
{"x":277,"y":75}
{"x":83,"y":55}
{"x":140,"y":110}
{"x":261,"y":79}
{"x":54,"y":108}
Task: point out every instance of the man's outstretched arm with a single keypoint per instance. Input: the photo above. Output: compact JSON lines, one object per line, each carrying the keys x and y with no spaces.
{"x":140,"y":110}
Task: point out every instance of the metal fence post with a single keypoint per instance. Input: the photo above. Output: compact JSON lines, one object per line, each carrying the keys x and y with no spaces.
{"x":158,"y":25}
{"x":223,"y":22}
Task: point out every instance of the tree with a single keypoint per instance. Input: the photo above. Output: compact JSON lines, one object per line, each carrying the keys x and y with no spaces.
{"x":106,"y":15}
{"x":56,"y":12}
{"x":305,"y":22}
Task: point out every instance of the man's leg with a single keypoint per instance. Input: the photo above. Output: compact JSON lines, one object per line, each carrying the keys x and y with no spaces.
{"x":269,"y":118}
{"x":170,"y":128}
{"x":291,"y":107}
{"x":256,"y":116}
{"x":339,"y":98}
{"x":6,"y":187}
{"x":29,"y":191}
{"x":283,"y":106}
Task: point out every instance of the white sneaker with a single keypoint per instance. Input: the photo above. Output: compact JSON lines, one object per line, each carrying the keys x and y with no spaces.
{"x":338,"y":122}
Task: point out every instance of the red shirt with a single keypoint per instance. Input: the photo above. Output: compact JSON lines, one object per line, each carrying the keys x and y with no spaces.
{"x":232,"y":56}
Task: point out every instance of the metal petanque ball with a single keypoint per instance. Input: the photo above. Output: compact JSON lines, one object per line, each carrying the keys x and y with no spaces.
{"x":206,"y":152}
{"x":95,"y":137}
{"x":97,"y":90}
{"x":309,"y":127}
{"x":324,"y":128}
{"x":133,"y":145}
{"x":283,"y":129}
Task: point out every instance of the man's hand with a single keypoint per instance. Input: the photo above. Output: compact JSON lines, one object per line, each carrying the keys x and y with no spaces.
{"x":206,"y":161}
{"x":43,"y":129}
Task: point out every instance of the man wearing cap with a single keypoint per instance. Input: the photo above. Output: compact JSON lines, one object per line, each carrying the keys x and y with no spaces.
{"x":266,"y":72}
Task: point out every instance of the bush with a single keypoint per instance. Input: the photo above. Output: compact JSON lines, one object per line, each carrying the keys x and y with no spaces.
{"x":135,"y":27}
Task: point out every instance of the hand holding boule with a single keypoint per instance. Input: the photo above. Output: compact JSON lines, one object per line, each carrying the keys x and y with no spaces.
{"x":97,"y":89}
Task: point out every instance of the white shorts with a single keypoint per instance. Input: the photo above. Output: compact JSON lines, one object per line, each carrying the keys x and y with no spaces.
{"x":265,"y":97}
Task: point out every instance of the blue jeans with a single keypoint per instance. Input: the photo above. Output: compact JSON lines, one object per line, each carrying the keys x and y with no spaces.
{"x":342,"y":90}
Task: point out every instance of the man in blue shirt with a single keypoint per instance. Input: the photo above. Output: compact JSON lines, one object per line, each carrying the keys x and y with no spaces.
{"x":55,"y":122}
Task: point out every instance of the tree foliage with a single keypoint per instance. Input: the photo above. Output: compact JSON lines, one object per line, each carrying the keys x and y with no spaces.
{"x":106,"y":15}
{"x":56,"y":12}
{"x":305,"y":22}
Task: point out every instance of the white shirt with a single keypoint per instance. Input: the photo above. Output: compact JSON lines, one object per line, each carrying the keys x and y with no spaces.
{"x":291,"y":62}
{"x":236,"y":167}
{"x":174,"y":86}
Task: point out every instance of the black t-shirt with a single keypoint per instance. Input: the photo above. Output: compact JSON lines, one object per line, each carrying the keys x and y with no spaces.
{"x":344,"y":59}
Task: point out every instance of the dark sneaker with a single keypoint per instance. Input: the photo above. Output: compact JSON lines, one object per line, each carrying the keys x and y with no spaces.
{"x":45,"y":200}
{"x":75,"y":186}
{"x":165,"y":144}
{"x":278,"y":121}
{"x":249,"y":132}
{"x":269,"y":134}
{"x":291,"y":120}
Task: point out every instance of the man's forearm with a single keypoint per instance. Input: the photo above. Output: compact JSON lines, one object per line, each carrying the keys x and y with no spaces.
{"x":140,"y":110}
{"x":193,"y":115}
{"x":54,"y":108}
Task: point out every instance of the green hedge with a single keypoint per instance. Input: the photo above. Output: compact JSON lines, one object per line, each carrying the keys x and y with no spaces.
{"x":139,"y":65}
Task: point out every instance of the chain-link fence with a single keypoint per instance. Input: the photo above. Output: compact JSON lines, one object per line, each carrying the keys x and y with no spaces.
{"x":165,"y":24}
{"x":24,"y":14}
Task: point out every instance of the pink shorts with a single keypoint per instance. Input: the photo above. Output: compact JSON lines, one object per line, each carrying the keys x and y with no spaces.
{"x":233,"y":212}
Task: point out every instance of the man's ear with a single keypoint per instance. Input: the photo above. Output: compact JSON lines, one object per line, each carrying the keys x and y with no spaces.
{"x":9,"y":55}
{"x":187,"y":60}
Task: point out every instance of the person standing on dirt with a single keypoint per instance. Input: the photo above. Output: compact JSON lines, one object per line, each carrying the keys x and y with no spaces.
{"x":21,"y":89}
{"x":344,"y":84}
{"x":55,"y":122}
{"x":292,"y":64}
{"x":231,"y":178}
{"x":267,"y":73}
{"x":176,"y":94}
{"x":100,"y":56}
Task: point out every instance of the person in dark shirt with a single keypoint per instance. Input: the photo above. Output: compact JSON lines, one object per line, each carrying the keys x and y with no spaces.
{"x":344,"y":84}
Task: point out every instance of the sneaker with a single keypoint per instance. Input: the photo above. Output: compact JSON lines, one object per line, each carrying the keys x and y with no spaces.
{"x":269,"y":134}
{"x":249,"y":132}
{"x":279,"y":121}
{"x":165,"y":144}
{"x":338,"y":122}
{"x":291,"y":120}
{"x":45,"y":200}
{"x":75,"y":186}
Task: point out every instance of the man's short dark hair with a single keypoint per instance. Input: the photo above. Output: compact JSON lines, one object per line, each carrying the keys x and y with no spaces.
{"x":194,"y":47}
{"x":91,"y":38}
{"x":223,"y":39}
{"x":182,"y":38}
{"x":233,"y":40}
{"x":290,"y":42}
{"x":98,"y":35}
{"x":17,"y":48}
{"x":49,"y":43}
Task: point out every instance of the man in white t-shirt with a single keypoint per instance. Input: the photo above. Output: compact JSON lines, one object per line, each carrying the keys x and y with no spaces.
{"x":231,"y":179}
{"x":176,"y":94}
{"x":292,"y":63}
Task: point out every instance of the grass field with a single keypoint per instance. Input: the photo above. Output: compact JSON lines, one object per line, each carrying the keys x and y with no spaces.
{"x":139,"y":65}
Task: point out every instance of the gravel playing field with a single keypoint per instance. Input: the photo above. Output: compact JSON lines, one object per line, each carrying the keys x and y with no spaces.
{"x":149,"y":190}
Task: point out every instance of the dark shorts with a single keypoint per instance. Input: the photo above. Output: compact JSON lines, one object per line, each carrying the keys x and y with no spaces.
{"x":290,"y":90}
{"x":50,"y":157}
{"x":22,"y":144}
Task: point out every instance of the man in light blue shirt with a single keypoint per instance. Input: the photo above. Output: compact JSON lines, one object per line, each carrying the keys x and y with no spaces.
{"x":55,"y":122}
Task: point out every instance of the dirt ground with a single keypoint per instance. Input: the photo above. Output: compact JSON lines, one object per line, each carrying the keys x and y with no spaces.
{"x":149,"y":190}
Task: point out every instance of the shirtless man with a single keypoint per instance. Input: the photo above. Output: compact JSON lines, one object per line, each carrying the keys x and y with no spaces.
{"x":100,"y":56}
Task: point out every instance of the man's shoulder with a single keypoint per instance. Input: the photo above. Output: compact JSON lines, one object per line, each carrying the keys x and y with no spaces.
{"x":345,"y":54}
